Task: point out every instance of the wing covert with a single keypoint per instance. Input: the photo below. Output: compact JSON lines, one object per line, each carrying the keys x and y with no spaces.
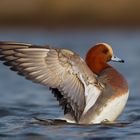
{"x":59,"y":69}
{"x":47,"y":66}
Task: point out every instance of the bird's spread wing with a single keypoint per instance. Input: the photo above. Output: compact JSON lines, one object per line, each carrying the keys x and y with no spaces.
{"x":56,"y":68}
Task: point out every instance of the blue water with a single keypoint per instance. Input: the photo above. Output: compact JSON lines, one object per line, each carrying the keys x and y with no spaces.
{"x":22,"y":100}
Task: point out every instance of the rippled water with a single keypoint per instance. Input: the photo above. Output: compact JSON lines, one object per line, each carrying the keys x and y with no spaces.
{"x":22,"y":100}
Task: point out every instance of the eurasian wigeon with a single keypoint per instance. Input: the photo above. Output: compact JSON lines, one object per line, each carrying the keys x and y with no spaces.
{"x":89,"y":91}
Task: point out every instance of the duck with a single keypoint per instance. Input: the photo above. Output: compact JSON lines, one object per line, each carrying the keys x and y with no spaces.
{"x":90,"y":91}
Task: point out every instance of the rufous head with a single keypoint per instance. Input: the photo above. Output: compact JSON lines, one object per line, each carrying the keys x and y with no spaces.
{"x":98,"y":56}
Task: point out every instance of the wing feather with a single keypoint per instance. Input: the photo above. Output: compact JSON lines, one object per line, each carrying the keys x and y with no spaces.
{"x":56,"y":68}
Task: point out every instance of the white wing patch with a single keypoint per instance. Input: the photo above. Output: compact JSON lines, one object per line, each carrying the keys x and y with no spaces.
{"x":92,"y":92}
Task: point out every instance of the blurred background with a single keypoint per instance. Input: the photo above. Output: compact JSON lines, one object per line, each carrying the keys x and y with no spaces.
{"x":54,"y":13}
{"x":75,"y":25}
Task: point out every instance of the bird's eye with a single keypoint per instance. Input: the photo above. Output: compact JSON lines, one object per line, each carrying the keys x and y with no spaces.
{"x":105,"y":51}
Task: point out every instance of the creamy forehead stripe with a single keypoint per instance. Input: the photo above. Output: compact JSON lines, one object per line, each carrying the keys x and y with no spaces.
{"x":108,"y":46}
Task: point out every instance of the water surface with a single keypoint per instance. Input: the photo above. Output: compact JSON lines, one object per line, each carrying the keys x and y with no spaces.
{"x":22,"y":100}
